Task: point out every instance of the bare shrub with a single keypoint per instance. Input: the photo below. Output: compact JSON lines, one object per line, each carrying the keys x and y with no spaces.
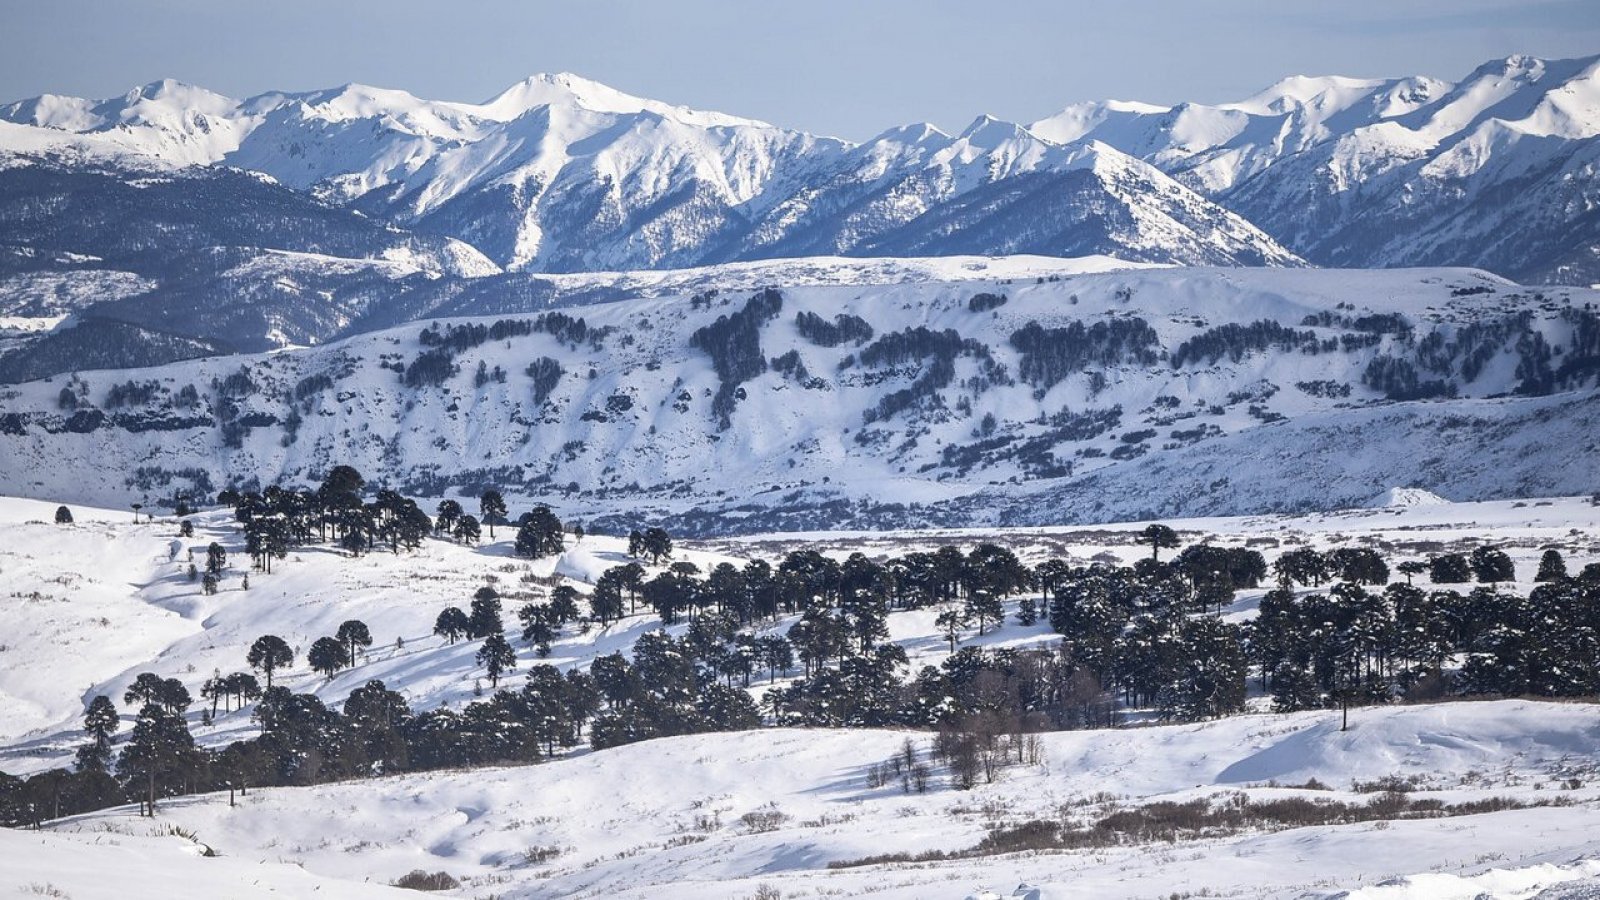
{"x":763,"y":820}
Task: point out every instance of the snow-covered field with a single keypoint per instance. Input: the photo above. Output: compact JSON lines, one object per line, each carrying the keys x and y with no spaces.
{"x":688,"y":817}
{"x":723,"y":815}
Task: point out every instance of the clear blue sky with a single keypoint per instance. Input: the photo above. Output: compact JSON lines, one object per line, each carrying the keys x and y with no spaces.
{"x":843,"y":68}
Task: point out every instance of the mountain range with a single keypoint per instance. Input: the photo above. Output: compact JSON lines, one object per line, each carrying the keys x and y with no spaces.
{"x":182,"y":222}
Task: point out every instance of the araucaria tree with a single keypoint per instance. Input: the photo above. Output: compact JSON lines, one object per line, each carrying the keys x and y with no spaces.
{"x":269,"y":654}
{"x":327,"y":655}
{"x":452,"y":624}
{"x":100,"y":721}
{"x":160,"y":753}
{"x":492,"y":510}
{"x":539,"y":533}
{"x":1158,"y":537}
{"x":496,"y":656}
{"x":356,"y":638}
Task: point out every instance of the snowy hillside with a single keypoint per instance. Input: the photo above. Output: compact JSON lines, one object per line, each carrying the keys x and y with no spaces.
{"x":618,"y":832}
{"x":1094,"y":397}
{"x":725,"y":814}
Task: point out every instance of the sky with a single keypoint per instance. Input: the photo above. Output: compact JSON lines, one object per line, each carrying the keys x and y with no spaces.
{"x":850,"y":69}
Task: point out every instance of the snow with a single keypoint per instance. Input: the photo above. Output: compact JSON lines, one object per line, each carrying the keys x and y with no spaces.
{"x":1406,"y":497}
{"x":119,"y":866}
{"x":664,"y":819}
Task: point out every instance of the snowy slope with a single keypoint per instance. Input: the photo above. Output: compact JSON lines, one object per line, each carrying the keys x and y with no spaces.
{"x":1002,"y":428}
{"x":620,"y":833}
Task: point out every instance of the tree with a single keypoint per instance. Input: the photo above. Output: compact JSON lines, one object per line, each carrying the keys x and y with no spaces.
{"x":776,"y":654}
{"x":605,"y":601}
{"x":452,"y":624}
{"x":656,"y":544}
{"x":327,"y":655}
{"x":100,"y":721}
{"x":1302,"y":565}
{"x":186,"y":529}
{"x":564,"y":604}
{"x":1361,"y":565}
{"x":950,"y":623}
{"x":537,"y":628}
{"x":216,"y":559}
{"x":484,"y":619}
{"x":354,"y":635}
{"x":63,"y":516}
{"x":269,"y":654}
{"x":1412,"y":568}
{"x":496,"y":656}
{"x":168,"y":693}
{"x":354,"y":542}
{"x":467,"y":530}
{"x":1027,"y":610}
{"x":984,"y":607}
{"x":208,"y":584}
{"x":342,"y":481}
{"x":1491,"y":564}
{"x":539,"y":534}
{"x":1551,"y":567}
{"x":1159,"y":537}
{"x":492,"y":510}
{"x":1450,"y":568}
{"x":448,"y":515}
{"x":160,"y":751}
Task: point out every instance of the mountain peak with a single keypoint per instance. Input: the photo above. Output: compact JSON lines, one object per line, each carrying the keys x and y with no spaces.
{"x":567,"y":89}
{"x":174,"y":93}
{"x":988,"y":132}
{"x":1298,"y":91}
{"x":914,"y":133}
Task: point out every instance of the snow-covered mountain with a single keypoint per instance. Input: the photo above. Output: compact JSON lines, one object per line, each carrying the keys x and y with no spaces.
{"x":1091,"y":397}
{"x":559,"y":173}
{"x":562,"y":174}
{"x":437,"y":201}
{"x":1496,"y":171}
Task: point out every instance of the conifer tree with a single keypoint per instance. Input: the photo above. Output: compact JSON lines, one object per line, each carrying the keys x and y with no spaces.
{"x":496,"y":656}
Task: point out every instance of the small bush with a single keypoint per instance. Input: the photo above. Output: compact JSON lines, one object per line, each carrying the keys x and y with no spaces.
{"x":763,"y":820}
{"x":418,"y":880}
{"x":534,"y":856}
